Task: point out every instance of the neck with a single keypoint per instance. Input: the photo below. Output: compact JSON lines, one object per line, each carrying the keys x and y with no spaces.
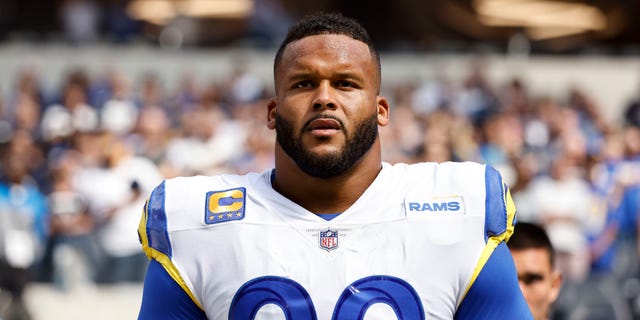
{"x":331,"y":195}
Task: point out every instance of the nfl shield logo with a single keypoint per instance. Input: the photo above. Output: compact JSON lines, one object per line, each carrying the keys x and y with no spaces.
{"x":329,"y":239}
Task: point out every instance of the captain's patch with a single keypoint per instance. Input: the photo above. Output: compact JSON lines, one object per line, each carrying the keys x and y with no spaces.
{"x":223,"y":206}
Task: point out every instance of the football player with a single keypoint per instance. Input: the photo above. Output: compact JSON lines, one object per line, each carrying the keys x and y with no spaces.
{"x":331,"y":232}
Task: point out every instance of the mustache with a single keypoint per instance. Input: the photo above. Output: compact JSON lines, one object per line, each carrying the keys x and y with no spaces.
{"x":323,"y":116}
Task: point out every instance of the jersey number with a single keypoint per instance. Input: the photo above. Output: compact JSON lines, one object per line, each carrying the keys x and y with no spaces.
{"x":354,"y":301}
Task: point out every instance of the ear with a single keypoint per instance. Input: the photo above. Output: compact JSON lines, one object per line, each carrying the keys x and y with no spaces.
{"x":383,"y":111}
{"x":556,"y":285}
{"x":271,"y":114}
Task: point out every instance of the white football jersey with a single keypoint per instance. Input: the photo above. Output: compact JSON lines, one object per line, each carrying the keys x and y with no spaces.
{"x":412,"y":244}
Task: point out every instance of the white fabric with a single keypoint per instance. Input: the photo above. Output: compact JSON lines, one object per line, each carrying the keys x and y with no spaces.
{"x":434,"y":251}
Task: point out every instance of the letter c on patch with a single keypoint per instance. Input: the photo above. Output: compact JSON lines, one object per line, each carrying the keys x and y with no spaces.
{"x":226,"y":201}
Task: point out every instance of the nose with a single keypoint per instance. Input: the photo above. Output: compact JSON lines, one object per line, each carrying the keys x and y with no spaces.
{"x":324,"y":96}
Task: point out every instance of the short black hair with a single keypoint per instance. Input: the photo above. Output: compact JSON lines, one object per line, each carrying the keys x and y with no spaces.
{"x":531,"y":236}
{"x":327,"y":23}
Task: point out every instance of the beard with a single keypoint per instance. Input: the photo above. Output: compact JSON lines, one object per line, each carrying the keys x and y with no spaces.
{"x":333,"y":164}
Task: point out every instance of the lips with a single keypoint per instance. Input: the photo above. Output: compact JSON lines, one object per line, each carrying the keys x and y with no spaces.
{"x":324,"y":127}
{"x":324,"y":124}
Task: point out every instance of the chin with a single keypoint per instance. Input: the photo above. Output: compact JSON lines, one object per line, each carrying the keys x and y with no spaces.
{"x":324,"y":149}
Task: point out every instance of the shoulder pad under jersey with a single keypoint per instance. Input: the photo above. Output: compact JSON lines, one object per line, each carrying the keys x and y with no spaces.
{"x":500,"y":211}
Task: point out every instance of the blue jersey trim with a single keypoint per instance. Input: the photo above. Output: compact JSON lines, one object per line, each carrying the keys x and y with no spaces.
{"x":495,"y":217}
{"x":327,"y":216}
{"x":496,"y":293}
{"x":157,"y":222}
{"x":163,"y":298}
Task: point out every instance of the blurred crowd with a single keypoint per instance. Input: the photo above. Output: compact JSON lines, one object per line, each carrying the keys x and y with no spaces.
{"x":168,"y":24}
{"x":77,"y":162}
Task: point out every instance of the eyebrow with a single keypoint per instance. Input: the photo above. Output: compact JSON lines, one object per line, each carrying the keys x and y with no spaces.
{"x":299,"y":74}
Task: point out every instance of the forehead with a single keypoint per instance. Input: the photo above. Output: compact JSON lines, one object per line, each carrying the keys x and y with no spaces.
{"x":532,"y":259}
{"x":334,"y":50}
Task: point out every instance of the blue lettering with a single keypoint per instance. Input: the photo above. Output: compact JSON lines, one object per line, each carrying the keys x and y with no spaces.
{"x":440,"y":206}
{"x":435,"y":206}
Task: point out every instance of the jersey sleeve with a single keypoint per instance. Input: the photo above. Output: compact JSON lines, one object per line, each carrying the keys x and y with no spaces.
{"x":494,"y":291}
{"x":163,"y":298}
{"x":152,"y":231}
{"x":156,"y":244}
{"x":495,"y":294}
{"x":500,"y":211}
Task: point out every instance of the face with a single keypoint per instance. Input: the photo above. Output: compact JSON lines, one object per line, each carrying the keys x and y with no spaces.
{"x":327,"y":110}
{"x":539,"y":283}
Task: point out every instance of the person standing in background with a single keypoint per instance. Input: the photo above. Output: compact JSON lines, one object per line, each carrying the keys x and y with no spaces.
{"x":534,"y":257}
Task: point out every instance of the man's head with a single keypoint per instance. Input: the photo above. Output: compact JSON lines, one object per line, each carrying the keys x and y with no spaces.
{"x":327,"y":110}
{"x":329,"y":23}
{"x":533,"y":255}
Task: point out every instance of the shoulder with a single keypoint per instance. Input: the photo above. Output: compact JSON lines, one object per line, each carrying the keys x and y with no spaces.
{"x":186,"y":194}
{"x":450,"y":167}
{"x":467,"y":176}
{"x":478,"y":184}
{"x":185,"y":203}
{"x":181,"y":189}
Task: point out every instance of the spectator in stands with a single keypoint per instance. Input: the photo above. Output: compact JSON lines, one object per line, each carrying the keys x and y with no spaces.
{"x":117,"y":224}
{"x":23,"y":226}
{"x":122,"y":263}
{"x":475,"y":98}
{"x":151,"y":92}
{"x":209,"y":142}
{"x":24,"y":106}
{"x":153,"y":132}
{"x":562,"y":203}
{"x":74,"y":252}
{"x":73,"y":114}
{"x":606,"y":176}
{"x":119,"y":113}
{"x":627,"y":259}
{"x":534,"y":258}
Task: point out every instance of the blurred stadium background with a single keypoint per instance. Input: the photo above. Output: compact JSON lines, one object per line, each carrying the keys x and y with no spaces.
{"x":100,"y":99}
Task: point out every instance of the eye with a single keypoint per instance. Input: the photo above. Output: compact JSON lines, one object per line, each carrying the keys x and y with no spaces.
{"x":531,"y":278}
{"x":302,"y":84}
{"x":345,"y":84}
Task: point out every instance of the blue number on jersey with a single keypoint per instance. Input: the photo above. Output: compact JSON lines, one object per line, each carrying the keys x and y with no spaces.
{"x":394,"y":292}
{"x":285,"y":293}
{"x":353,"y":303}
